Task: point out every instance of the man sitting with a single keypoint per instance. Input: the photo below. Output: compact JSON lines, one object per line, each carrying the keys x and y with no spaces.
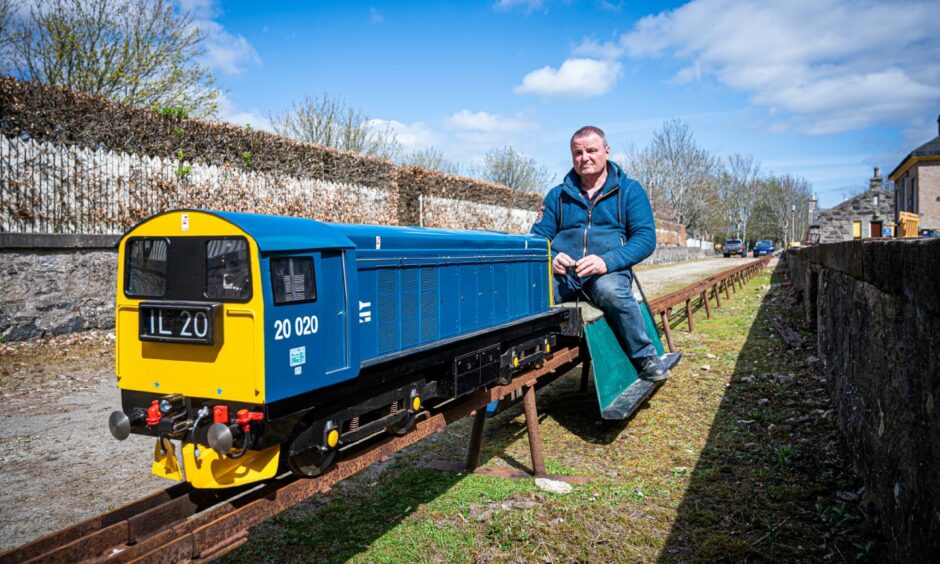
{"x":603,"y":217}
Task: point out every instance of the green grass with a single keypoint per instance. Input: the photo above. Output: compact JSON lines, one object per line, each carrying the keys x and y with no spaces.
{"x":707,"y":470}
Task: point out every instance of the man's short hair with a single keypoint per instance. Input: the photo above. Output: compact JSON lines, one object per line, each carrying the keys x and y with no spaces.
{"x":588,"y":130}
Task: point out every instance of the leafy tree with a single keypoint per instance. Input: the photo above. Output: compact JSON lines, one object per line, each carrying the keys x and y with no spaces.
{"x":134,"y":51}
{"x":328,"y":121}
{"x":511,"y":168}
{"x":431,"y":159}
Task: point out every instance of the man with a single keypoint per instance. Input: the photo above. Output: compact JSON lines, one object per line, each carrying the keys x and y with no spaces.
{"x":600,"y":223}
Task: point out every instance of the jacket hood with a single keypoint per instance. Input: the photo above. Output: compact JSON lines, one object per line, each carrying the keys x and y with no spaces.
{"x":615,"y":176}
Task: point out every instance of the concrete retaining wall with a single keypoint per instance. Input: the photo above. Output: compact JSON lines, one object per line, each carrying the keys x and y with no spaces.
{"x":876,"y":307}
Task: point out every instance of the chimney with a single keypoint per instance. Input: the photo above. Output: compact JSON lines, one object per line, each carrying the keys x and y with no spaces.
{"x":876,"y":181}
{"x":812,"y":210}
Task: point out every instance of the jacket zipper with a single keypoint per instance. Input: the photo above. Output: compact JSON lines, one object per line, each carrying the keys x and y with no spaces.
{"x":590,"y":210}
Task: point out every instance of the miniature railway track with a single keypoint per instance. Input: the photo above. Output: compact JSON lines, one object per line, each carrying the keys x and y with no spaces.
{"x":728,"y":280}
{"x":181,"y":523}
{"x":185,"y":524}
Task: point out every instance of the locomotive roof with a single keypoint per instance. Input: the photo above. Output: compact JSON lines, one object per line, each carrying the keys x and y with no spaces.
{"x":284,"y":233}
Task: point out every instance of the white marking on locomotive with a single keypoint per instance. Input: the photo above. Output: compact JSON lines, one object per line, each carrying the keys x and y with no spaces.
{"x":184,"y":222}
{"x":303,"y":325}
{"x":365,"y":313}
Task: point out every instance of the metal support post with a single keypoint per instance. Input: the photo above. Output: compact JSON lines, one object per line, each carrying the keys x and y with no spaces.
{"x":476,"y":440}
{"x":668,"y":330}
{"x":532,"y":423}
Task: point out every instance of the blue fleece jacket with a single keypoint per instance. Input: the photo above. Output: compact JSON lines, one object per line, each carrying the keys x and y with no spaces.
{"x":617,"y":225}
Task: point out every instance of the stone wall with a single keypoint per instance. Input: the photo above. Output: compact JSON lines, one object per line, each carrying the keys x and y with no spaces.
{"x":50,"y":291}
{"x":929,"y":192}
{"x":876,"y":308}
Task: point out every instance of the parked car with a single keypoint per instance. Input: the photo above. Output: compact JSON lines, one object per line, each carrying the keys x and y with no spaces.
{"x":734,"y":247}
{"x":763,"y":247}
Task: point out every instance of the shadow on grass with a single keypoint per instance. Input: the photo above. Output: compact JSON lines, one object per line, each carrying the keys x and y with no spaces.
{"x":772,"y":482}
{"x":358,"y":513}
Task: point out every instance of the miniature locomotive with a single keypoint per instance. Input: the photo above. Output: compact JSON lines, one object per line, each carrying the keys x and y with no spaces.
{"x":262,"y":342}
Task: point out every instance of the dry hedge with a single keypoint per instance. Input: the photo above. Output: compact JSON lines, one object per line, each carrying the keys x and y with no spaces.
{"x":50,"y":114}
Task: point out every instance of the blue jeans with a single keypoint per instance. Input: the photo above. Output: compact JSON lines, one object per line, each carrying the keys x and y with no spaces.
{"x":613,"y":294}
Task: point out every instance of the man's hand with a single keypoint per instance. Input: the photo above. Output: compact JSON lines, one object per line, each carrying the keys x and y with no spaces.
{"x":591,"y":265}
{"x":561,"y":262}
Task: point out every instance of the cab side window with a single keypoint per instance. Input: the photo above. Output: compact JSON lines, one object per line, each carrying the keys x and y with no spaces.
{"x":292,"y":279}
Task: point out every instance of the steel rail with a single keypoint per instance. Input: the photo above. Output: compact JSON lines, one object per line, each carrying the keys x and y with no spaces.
{"x":715,"y":284}
{"x":185,"y":524}
{"x":182,"y":523}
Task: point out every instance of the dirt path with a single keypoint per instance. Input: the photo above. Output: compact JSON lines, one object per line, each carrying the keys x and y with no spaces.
{"x":659,"y":280}
{"x":58,"y":462}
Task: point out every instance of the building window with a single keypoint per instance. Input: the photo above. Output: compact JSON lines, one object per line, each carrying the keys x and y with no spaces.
{"x":875,"y":200}
{"x":915,"y":205}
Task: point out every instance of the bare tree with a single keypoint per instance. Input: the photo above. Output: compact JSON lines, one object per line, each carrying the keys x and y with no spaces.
{"x":738,"y":190}
{"x":431,"y":159}
{"x":645,"y":168}
{"x":6,"y":22}
{"x":511,"y":168}
{"x":785,"y":206}
{"x":328,"y":121}
{"x":684,"y":173}
{"x":133,"y":51}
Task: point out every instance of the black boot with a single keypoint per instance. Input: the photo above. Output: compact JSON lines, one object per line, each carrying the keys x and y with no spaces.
{"x":652,"y":369}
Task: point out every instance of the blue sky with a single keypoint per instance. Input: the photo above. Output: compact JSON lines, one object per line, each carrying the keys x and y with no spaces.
{"x":825,"y":90}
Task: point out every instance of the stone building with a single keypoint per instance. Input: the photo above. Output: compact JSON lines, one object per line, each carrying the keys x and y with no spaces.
{"x":917,"y":183}
{"x":866,"y":215}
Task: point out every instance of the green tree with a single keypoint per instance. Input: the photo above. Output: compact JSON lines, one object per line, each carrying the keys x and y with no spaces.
{"x":328,"y":121}
{"x":134,"y":51}
{"x":511,"y":168}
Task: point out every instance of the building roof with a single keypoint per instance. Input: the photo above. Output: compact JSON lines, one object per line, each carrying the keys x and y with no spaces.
{"x":886,"y":200}
{"x":929,"y":149}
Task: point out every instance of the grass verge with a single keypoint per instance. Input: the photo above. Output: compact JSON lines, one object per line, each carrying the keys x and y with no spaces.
{"x":737,"y":458}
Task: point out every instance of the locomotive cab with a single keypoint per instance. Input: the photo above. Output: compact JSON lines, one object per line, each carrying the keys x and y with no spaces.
{"x":218,"y":315}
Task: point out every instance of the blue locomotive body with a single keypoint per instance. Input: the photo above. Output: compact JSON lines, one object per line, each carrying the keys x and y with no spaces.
{"x":383,"y":292}
{"x":320,"y":333}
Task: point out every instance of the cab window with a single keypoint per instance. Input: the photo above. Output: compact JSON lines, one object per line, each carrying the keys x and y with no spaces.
{"x":292,"y":279}
{"x":228,"y":270}
{"x":145,"y":267}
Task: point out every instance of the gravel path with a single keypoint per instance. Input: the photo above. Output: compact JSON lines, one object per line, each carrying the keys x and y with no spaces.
{"x":58,"y":462}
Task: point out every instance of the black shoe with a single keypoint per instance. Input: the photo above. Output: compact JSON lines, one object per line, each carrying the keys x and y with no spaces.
{"x":652,"y":369}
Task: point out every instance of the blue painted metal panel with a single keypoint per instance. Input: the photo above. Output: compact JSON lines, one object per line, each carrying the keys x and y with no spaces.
{"x":307,"y":344}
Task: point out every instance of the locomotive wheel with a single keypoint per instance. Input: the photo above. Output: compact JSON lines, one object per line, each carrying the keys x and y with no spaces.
{"x":403,"y":426}
{"x":310,"y":463}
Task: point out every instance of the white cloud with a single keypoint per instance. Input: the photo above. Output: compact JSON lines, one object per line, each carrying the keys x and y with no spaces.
{"x":529,"y":5}
{"x":831,"y":65}
{"x":412,"y":136}
{"x":225,"y":52}
{"x":576,"y":78}
{"x":484,"y":122}
{"x":375,"y":16}
{"x":230,"y":113}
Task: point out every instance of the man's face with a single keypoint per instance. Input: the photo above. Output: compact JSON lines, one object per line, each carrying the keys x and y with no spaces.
{"x":589,"y":155}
